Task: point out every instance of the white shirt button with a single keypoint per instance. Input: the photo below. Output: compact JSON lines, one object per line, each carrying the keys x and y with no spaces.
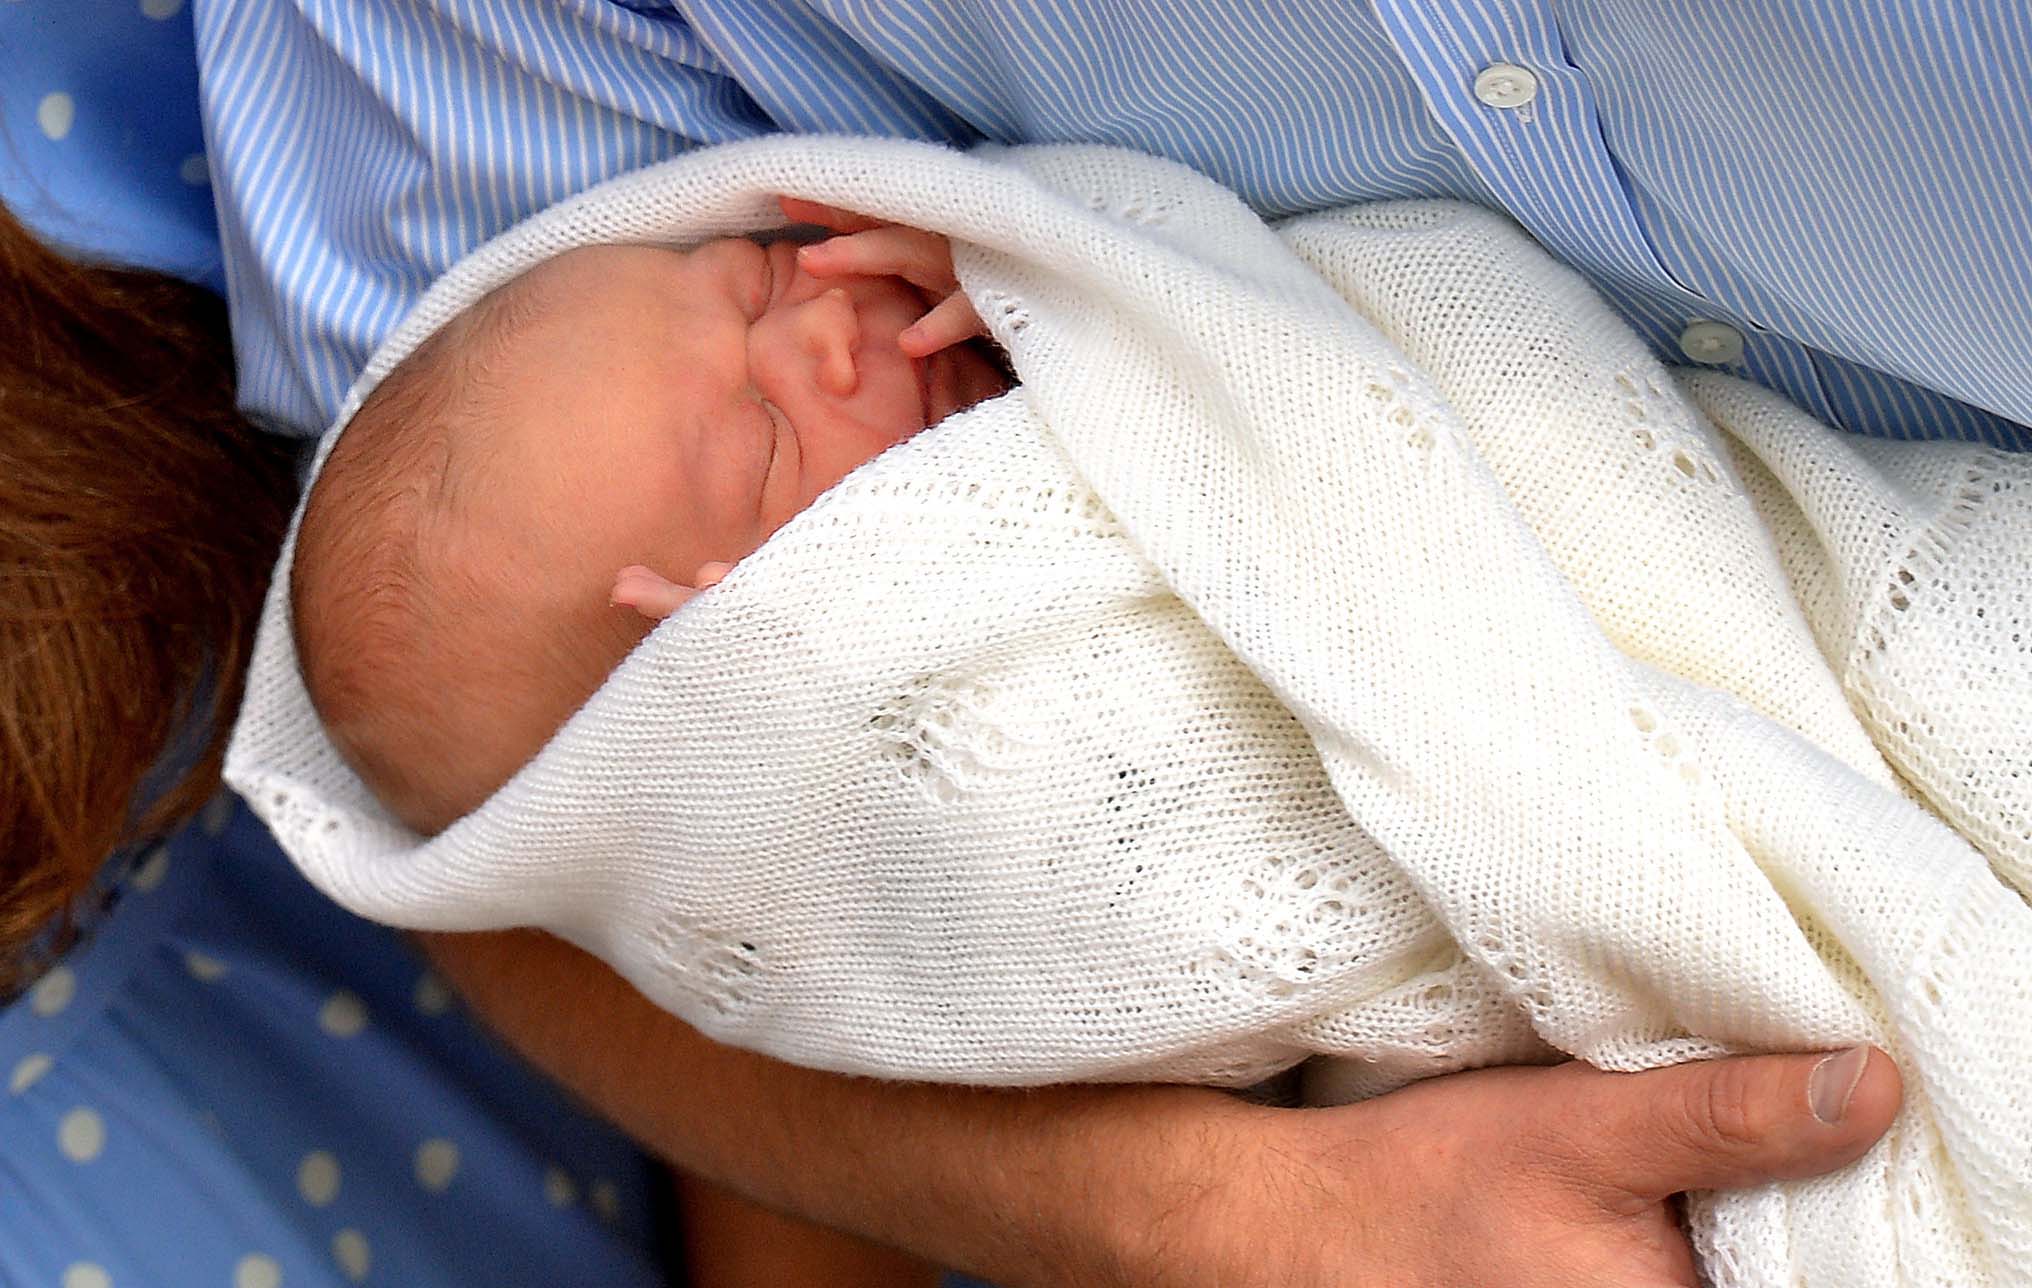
{"x":1506,"y":85}
{"x":1714,"y":343}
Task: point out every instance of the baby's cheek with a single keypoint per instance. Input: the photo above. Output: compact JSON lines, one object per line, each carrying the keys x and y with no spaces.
{"x":898,"y":410}
{"x":733,"y":519}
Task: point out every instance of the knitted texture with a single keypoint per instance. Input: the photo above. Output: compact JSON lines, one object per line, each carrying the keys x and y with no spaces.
{"x":1346,"y":641}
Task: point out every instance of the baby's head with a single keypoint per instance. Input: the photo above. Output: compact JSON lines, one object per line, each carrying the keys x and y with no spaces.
{"x":617,"y":405}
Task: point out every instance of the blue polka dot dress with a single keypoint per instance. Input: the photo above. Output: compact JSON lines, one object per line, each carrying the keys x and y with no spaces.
{"x":101,"y":148}
{"x":231,"y":1082}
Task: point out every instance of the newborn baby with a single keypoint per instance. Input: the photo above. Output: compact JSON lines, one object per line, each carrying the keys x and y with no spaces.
{"x":616,"y":427}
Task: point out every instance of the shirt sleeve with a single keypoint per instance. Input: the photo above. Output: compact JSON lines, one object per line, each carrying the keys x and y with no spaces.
{"x":360,"y":150}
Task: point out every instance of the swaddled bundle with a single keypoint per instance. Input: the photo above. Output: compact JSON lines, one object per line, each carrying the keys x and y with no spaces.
{"x":1346,"y":641}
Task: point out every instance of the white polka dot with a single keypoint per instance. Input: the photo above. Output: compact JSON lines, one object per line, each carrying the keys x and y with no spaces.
{"x":343,"y":1015}
{"x":606,"y":1200}
{"x":559,"y":1188}
{"x":431,"y":996}
{"x":86,"y":1274}
{"x":202,"y":968}
{"x":350,"y":1250}
{"x":257,"y":1270}
{"x":149,"y":873}
{"x":53,"y":991}
{"x":194,"y":171}
{"x":29,"y":1071}
{"x":56,"y":113}
{"x":317,"y":1178}
{"x":160,"y":10}
{"x":219,"y":810}
{"x":437,"y":1162}
{"x":81,"y":1135}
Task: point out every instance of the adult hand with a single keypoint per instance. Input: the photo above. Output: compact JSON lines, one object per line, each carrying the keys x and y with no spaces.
{"x":1514,"y":1177}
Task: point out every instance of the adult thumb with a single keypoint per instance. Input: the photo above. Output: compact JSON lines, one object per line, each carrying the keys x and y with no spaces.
{"x":1726,"y":1124}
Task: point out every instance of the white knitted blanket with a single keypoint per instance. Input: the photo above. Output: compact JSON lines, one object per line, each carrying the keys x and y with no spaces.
{"x":1348,"y":640}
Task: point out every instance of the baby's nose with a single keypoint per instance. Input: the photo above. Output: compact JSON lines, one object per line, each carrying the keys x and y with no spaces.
{"x":828,"y":326}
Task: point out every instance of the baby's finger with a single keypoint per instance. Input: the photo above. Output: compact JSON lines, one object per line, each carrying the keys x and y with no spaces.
{"x":648,"y":593}
{"x":920,"y":258}
{"x":952,"y":322}
{"x":799,"y":211}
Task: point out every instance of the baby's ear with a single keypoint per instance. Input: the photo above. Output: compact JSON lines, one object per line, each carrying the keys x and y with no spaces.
{"x":649,"y":593}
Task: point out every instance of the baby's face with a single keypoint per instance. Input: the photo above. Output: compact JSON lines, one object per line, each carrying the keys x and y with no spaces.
{"x":618,"y":405}
{"x":674,"y":408}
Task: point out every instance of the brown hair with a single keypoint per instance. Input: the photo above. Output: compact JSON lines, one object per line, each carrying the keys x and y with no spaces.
{"x":375,"y":609}
{"x":436,"y":665}
{"x":139,"y":515}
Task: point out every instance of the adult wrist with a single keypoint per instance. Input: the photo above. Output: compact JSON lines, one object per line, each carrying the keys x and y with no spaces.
{"x":1151,"y":1180}
{"x":1037,"y":1188}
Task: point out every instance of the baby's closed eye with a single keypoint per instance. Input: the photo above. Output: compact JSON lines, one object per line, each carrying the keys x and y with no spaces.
{"x":776,"y":456}
{"x":777,"y":429}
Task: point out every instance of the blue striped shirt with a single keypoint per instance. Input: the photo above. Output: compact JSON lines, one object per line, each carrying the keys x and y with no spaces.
{"x":1843,"y":186}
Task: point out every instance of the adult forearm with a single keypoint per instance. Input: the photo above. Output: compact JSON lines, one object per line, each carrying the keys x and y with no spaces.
{"x":1030,"y":1187}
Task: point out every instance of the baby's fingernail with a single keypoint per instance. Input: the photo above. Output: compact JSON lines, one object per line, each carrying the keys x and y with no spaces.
{"x":1833,"y":1082}
{"x":633,"y":578}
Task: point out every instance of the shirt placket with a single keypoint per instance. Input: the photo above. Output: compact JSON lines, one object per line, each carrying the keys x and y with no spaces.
{"x":1495,"y":76}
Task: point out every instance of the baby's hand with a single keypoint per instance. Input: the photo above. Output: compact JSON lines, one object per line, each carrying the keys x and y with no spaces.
{"x":647,"y":591}
{"x":871,"y":248}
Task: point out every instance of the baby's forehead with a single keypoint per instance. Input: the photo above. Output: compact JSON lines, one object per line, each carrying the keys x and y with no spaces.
{"x":622,"y":259}
{"x":626,"y":315}
{"x":650,"y":278}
